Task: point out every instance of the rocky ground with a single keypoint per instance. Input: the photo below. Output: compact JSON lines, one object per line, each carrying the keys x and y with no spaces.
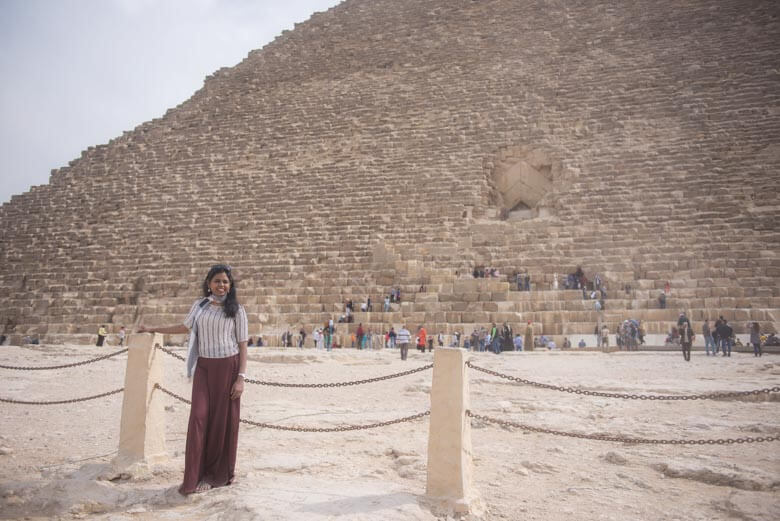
{"x":55,"y":459}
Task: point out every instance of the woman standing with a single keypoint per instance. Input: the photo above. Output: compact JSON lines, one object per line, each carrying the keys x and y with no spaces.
{"x":219,"y":332}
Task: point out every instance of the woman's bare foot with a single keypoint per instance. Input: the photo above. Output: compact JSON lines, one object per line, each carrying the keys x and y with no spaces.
{"x":202,"y":487}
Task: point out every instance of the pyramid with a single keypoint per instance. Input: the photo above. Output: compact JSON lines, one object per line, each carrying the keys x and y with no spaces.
{"x":401,"y":143}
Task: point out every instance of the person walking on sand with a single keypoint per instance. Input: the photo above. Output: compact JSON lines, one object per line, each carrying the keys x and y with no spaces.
{"x":216,"y":359}
{"x":605,"y":337}
{"x":686,"y":339}
{"x":403,"y":338}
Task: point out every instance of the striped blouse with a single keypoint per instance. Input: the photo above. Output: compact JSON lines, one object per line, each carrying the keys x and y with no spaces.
{"x":218,"y":335}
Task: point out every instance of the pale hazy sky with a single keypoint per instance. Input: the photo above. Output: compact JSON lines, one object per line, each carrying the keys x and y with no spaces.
{"x":77,"y":73}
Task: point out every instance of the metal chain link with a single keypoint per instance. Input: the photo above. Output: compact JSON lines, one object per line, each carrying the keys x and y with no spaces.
{"x":171,"y":393}
{"x":311,"y":386}
{"x":59,"y":402}
{"x":573,"y":390}
{"x":342,"y":428}
{"x":622,"y":439}
{"x":164,"y":350}
{"x":341,"y":384}
{"x":85,"y":362}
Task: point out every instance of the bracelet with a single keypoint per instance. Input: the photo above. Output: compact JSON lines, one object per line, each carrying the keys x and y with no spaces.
{"x":242,"y":375}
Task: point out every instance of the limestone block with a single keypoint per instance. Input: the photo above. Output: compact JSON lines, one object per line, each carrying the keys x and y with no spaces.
{"x":515,"y":319}
{"x":142,"y":427}
{"x":424,"y":308}
{"x":414,"y":319}
{"x":490,"y":307}
{"x":496,"y":285}
{"x":445,"y":287}
{"x":470,"y":297}
{"x":434,"y":317}
{"x":466,"y":286}
{"x":475,"y":317}
{"x":459,"y":306}
{"x":450,"y":467}
{"x":452,"y":318}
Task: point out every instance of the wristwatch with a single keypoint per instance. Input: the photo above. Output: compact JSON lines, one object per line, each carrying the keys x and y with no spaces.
{"x":242,"y":375}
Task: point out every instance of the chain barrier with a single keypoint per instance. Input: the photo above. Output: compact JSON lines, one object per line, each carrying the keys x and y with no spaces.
{"x":342,"y":428}
{"x":573,"y":390}
{"x":164,"y":350}
{"x":622,"y":439}
{"x":75,"y":364}
{"x":311,"y":386}
{"x":341,"y":384}
{"x":60,"y":402}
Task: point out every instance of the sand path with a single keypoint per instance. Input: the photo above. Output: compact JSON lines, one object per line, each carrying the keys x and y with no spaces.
{"x":53,"y":459}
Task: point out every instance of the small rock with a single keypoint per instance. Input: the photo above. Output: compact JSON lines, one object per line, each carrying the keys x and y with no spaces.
{"x":6,"y":451}
{"x":406,"y":460}
{"x":13,"y":500}
{"x":614,"y":458}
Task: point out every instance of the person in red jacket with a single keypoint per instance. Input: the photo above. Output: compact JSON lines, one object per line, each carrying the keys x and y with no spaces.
{"x":422,"y":337}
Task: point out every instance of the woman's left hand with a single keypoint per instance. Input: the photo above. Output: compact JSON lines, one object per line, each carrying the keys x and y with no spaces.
{"x":237,"y":389}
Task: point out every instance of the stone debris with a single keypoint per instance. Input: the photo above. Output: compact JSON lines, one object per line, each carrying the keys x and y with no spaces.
{"x":733,"y":476}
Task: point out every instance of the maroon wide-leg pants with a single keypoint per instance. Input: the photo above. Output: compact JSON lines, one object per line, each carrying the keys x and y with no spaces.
{"x":212,"y":434}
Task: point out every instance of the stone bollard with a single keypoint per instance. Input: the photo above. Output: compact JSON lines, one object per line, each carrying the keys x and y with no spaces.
{"x":449,"y":440}
{"x":142,"y":430}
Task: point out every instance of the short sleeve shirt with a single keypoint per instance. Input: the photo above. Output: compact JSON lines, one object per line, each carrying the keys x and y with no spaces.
{"x":218,"y":335}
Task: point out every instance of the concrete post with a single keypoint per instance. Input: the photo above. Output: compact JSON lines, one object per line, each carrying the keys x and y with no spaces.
{"x":142,"y":430}
{"x":449,"y":440}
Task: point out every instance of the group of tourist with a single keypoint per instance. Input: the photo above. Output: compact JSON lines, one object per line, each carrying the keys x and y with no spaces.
{"x":720,"y":337}
{"x":393,"y":297}
{"x":630,"y":335}
{"x":494,"y":338}
{"x":481,"y":272}
{"x":520,"y":279}
{"x":102,"y":334}
{"x":576,"y":279}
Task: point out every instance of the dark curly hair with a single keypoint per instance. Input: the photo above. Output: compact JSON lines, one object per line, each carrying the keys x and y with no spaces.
{"x":231,"y":300}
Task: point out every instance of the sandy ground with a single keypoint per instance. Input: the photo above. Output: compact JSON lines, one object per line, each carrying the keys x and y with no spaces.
{"x":54,"y":459}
